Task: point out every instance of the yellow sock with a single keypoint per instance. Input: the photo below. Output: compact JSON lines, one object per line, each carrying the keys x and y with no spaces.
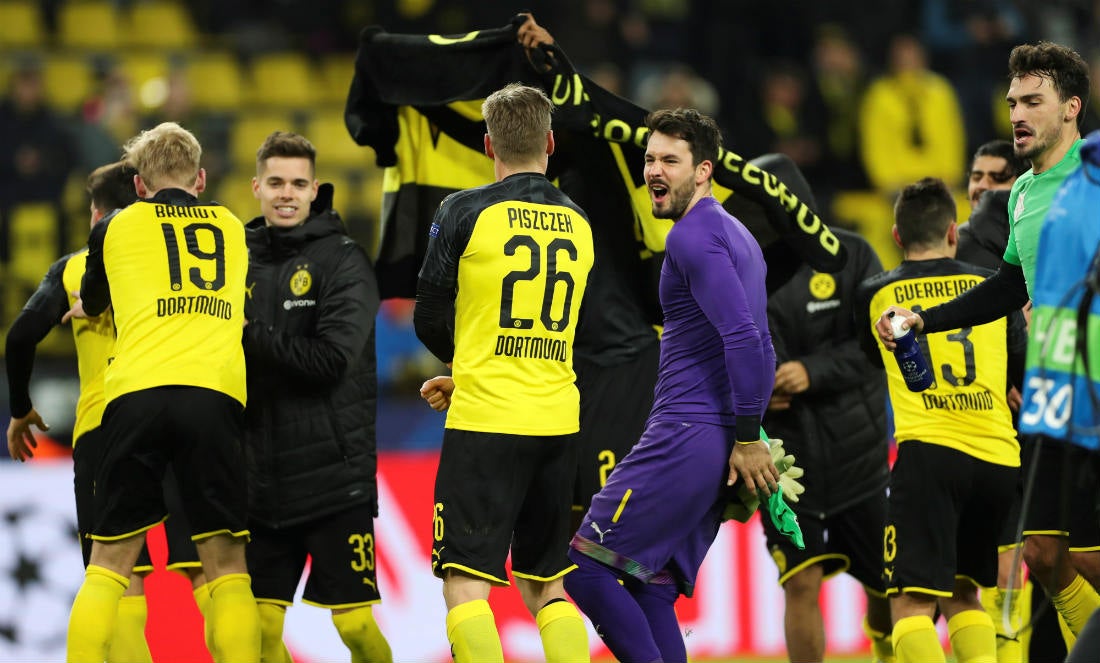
{"x":564,"y":638}
{"x":882,"y":645}
{"x":234,"y":619}
{"x":362,"y":636}
{"x":973,"y":639}
{"x":128,"y":644}
{"x":92,"y":619}
{"x":916,"y":641}
{"x":1076,"y":603}
{"x":472,"y":633}
{"x":272,"y":647}
{"x":1067,"y":634}
{"x":1010,"y":649}
{"x":1021,"y":611}
{"x":202,"y":602}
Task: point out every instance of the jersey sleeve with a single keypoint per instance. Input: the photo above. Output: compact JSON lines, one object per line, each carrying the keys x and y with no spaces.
{"x":447,"y":239}
{"x":95,"y":293}
{"x":717,"y":288}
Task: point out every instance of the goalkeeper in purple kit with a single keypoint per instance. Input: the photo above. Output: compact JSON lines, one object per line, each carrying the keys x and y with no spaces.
{"x":651,"y":526}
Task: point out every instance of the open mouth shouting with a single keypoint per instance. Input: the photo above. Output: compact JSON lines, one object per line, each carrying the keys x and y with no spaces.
{"x":658,"y":192}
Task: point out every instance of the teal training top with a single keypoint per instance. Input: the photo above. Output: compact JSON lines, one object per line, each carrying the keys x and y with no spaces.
{"x":1027,"y":207}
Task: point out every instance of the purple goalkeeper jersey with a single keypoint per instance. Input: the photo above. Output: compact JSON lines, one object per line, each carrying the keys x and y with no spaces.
{"x":717,"y":360}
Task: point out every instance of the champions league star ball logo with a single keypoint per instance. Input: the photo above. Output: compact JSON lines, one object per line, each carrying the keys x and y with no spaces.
{"x":40,"y":572}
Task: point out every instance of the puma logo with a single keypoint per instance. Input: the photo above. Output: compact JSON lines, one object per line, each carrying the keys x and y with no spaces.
{"x":248,"y":290}
{"x":600,"y":532}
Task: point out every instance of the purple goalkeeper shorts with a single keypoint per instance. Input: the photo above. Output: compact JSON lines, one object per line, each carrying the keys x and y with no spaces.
{"x":661,"y":508}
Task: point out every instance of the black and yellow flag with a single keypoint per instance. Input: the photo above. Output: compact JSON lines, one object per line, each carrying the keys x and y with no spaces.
{"x":415,"y":100}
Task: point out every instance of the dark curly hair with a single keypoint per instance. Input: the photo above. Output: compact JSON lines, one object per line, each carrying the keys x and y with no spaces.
{"x":1062,"y":66}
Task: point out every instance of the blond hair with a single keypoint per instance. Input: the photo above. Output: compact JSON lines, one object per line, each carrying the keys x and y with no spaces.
{"x":517,"y":118}
{"x":164,"y":156}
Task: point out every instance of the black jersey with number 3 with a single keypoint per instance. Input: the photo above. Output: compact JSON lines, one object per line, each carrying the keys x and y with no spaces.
{"x":517,"y":253}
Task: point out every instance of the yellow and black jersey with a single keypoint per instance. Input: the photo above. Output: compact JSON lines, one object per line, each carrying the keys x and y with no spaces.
{"x":173,"y":270}
{"x":965,"y":408}
{"x":517,"y":254}
{"x":95,"y":345}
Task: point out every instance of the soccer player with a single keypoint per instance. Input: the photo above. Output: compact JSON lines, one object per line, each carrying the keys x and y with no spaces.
{"x":993,"y":169}
{"x":512,"y":258}
{"x":1048,"y":89}
{"x":651,"y":525}
{"x":952,"y":484}
{"x":110,"y":187}
{"x":309,"y":424}
{"x":173,"y":271}
{"x":828,"y":406}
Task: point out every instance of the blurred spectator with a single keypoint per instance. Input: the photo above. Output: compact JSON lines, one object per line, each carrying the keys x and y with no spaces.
{"x":36,"y":154}
{"x":841,"y":80}
{"x":211,"y":129}
{"x":910,"y":122}
{"x":677,"y":86}
{"x":108,"y":118}
{"x":788,"y":118}
{"x":967,"y":41}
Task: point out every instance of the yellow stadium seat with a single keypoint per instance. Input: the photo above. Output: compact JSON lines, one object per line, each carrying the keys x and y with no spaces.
{"x":234,"y":191}
{"x":216,"y":82}
{"x":282,"y":80}
{"x":335,"y":147}
{"x":872,"y":215}
{"x":249,"y":131}
{"x":21,"y":24}
{"x":34,"y":230}
{"x":89,"y":24}
{"x":336,"y":73}
{"x":160,"y":24}
{"x":69,"y":81}
{"x":147,"y":72}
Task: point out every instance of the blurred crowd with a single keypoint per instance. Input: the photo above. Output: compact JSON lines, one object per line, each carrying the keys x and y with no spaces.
{"x":863,"y":95}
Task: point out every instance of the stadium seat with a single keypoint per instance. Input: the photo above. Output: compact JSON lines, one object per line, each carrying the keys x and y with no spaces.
{"x":249,"y":131}
{"x":160,"y":24}
{"x":68,"y":80}
{"x":34,"y":233}
{"x":335,"y":147}
{"x":216,"y":82}
{"x":148,"y":73}
{"x":336,"y":71}
{"x":234,"y":191}
{"x":282,"y":80}
{"x":21,"y":24}
{"x":89,"y":24}
{"x":872,"y":215}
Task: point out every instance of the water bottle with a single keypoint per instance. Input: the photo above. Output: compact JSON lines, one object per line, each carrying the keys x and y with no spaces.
{"x":911,"y":362}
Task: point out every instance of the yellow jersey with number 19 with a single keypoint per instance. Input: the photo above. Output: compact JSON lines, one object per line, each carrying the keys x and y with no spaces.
{"x":175,"y":269}
{"x":518,"y":253}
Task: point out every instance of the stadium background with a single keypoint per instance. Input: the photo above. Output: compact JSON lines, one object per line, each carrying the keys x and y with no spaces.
{"x":80,"y":76}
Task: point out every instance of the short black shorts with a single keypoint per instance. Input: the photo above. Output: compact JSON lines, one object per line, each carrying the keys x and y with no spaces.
{"x":494,"y":491}
{"x":343,"y":557}
{"x":1063,"y":498}
{"x":195,"y":431}
{"x":87,"y":455}
{"x":946,"y":513}
{"x":615,"y":403}
{"x":847,"y":541}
